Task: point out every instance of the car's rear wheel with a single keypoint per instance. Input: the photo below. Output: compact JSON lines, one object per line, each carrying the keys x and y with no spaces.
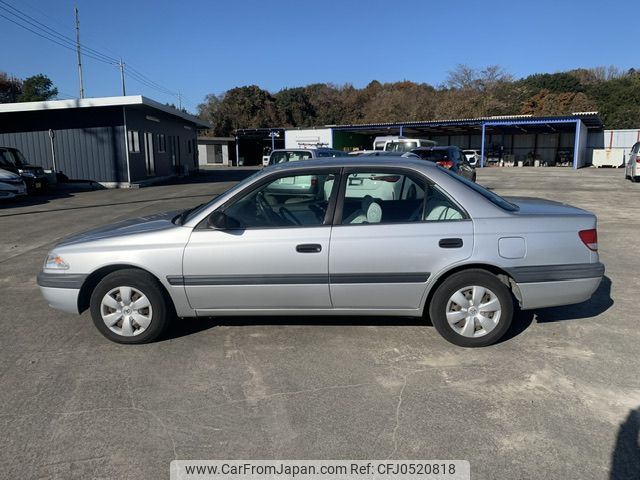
{"x":472,"y":308}
{"x":128,"y":306}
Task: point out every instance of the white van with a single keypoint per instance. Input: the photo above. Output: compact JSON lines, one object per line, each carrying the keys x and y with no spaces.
{"x":407,"y":144}
{"x":295,"y":154}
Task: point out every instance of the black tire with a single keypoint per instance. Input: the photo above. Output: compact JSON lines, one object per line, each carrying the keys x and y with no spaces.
{"x":161,"y":308}
{"x":460,"y":280}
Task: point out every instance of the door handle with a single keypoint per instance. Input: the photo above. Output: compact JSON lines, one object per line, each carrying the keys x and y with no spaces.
{"x":309,"y":248}
{"x":450,"y":243}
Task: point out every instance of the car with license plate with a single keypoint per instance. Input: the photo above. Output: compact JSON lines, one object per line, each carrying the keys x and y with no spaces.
{"x":440,"y":247}
{"x":13,"y":160}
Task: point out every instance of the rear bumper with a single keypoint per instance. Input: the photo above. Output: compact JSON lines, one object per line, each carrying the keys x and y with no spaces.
{"x":554,"y":285}
{"x":36,"y":183}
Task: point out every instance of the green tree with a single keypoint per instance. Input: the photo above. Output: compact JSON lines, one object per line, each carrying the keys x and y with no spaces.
{"x":241,"y":107}
{"x":294,"y":107}
{"x":37,"y":88}
{"x":10,"y":88}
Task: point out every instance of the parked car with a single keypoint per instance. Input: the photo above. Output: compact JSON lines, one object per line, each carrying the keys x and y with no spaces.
{"x":445,"y":248}
{"x":381,"y":153}
{"x":13,"y":160}
{"x":11,"y":185}
{"x":450,"y":158}
{"x":296,"y":154}
{"x":632,"y":167}
{"x":474,"y":157}
{"x":403,"y":144}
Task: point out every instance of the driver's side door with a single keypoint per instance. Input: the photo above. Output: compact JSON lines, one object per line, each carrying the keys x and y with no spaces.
{"x":276,"y":255}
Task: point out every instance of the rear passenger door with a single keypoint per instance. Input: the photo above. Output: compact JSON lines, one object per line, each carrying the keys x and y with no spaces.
{"x":383,"y":249}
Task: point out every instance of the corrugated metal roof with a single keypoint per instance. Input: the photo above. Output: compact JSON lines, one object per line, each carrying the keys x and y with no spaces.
{"x":130,"y":100}
{"x":591,"y":119}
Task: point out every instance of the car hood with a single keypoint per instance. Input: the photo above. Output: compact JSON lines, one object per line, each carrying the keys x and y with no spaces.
{"x":542,"y":206}
{"x":7,"y":175}
{"x":146,"y":224}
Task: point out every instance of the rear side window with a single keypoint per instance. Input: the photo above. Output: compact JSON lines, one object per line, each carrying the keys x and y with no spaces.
{"x":389,"y":197}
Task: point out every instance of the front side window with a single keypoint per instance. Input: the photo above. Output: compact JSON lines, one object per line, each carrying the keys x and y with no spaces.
{"x":290,"y":201}
{"x":390,"y":197}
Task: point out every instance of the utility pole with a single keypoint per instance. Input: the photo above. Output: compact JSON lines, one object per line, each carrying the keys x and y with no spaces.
{"x":78,"y":51}
{"x":179,"y":101}
{"x":121,"y":67}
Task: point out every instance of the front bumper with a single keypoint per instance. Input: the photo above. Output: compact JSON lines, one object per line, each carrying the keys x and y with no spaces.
{"x":65,"y":299}
{"x":61,"y":290}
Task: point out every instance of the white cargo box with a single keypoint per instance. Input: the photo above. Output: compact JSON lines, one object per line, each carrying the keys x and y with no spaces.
{"x":610,"y":157}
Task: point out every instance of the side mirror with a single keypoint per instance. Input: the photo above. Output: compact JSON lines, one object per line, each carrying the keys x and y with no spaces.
{"x":221,"y":221}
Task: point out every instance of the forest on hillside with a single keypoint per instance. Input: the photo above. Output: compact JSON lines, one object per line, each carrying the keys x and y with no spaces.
{"x":466,"y":93}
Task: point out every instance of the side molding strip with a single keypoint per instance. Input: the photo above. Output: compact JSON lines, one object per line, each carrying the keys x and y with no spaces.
{"x":297,"y":279}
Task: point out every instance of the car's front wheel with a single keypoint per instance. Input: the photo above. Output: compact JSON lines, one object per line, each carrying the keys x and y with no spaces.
{"x":128,"y":306}
{"x":472,"y":308}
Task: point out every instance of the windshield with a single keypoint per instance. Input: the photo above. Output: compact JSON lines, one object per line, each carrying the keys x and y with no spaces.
{"x":289,"y":156}
{"x":20,"y":158}
{"x":401,"y":146}
{"x":488,"y":194}
{"x":433,"y":155}
{"x":191,"y":213}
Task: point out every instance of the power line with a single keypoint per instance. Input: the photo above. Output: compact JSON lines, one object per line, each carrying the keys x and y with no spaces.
{"x":68,"y":47}
{"x":31,"y":24}
{"x":23,"y":17}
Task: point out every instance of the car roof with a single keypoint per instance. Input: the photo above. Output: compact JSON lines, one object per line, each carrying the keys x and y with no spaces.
{"x":444,"y":147}
{"x":359,"y":161}
{"x":303,"y":148}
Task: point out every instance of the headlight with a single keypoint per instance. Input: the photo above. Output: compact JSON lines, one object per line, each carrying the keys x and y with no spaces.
{"x":54,"y":261}
{"x":27,"y":173}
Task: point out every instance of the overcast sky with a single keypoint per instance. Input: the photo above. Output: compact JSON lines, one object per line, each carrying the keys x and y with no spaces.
{"x":201,"y":47}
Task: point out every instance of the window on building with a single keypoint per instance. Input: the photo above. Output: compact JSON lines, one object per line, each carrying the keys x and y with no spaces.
{"x":133,"y":137}
{"x":162,"y":143}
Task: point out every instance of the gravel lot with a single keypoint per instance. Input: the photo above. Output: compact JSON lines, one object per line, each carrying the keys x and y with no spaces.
{"x":558,"y":399}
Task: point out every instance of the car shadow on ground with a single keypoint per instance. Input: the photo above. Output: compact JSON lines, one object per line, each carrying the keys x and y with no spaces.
{"x":625,"y":458}
{"x":597,"y":304}
{"x":35,"y":199}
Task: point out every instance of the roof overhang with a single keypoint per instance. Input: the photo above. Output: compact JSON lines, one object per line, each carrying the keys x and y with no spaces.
{"x":471,"y":126}
{"x":123,"y":101}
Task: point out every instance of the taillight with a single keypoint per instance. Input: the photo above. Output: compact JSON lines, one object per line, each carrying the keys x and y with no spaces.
{"x":637,"y":159}
{"x":446,"y":164}
{"x":386,"y":178}
{"x":589,"y":238}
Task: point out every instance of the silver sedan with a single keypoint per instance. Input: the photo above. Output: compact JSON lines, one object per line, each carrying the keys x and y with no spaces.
{"x":341,"y":236}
